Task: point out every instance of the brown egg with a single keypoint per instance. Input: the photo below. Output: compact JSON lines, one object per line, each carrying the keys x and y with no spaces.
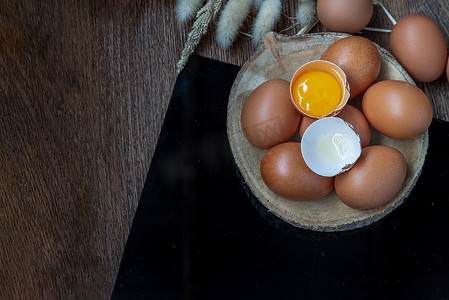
{"x":286,"y":174}
{"x":397,"y":109}
{"x":419,"y":45}
{"x":359,"y":58}
{"x":374,"y":180}
{"x":348,"y":16}
{"x":304,"y":124}
{"x":268,"y":116}
{"x":356,"y":118}
{"x":351,"y":115}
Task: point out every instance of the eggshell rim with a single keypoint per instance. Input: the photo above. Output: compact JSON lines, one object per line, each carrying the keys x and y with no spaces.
{"x":341,"y":78}
{"x":308,"y":160}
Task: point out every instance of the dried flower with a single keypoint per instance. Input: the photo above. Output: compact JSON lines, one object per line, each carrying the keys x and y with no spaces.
{"x":267,"y":17}
{"x":306,"y":12}
{"x":231,"y":19}
{"x":186,"y":9}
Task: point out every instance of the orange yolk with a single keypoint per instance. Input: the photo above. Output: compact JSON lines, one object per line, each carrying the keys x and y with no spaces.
{"x":316,"y":93}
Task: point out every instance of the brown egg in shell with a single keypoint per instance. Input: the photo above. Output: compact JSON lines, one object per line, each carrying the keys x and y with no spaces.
{"x":286,"y":174}
{"x":374,"y":180}
{"x":359,"y":58}
{"x":397,"y":109}
{"x":419,"y":45}
{"x":268,"y":116}
{"x":304,"y":124}
{"x":349,"y":16}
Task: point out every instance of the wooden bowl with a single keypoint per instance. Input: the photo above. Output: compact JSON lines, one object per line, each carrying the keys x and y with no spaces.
{"x":279,"y":56}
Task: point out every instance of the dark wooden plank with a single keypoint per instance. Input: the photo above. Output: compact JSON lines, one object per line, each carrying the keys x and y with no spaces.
{"x":83,"y":92}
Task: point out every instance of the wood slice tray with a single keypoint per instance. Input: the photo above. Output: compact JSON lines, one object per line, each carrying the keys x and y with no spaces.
{"x":279,"y":56}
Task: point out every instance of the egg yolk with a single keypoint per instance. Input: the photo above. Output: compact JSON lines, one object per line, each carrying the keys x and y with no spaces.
{"x":316,"y":93}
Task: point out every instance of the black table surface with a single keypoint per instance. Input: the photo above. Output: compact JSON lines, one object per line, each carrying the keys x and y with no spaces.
{"x":198,"y":233}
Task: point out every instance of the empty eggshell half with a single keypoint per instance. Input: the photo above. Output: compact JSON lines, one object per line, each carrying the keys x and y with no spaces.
{"x":330,"y":146}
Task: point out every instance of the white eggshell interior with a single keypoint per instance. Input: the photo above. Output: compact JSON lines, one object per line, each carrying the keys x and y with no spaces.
{"x":330,"y":146}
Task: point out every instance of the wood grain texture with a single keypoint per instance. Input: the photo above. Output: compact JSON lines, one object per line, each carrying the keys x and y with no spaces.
{"x":84,"y":88}
{"x":83,"y":92}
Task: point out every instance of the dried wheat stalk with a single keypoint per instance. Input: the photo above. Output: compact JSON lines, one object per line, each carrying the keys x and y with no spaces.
{"x":199,"y":28}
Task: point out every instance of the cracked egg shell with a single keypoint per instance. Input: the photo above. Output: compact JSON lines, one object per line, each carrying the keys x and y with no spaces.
{"x":315,"y":105}
{"x":351,"y":115}
{"x":330,"y":146}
